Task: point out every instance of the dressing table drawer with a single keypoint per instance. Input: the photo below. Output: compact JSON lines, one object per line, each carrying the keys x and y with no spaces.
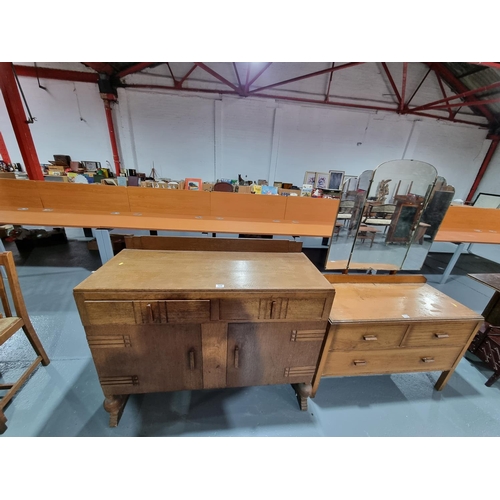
{"x":439,"y":334}
{"x":367,"y":336}
{"x":390,"y":361}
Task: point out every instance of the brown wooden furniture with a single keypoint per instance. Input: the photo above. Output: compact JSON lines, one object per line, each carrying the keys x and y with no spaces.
{"x":167,"y":321}
{"x":11,"y":323}
{"x":491,"y":312}
{"x":420,"y":232}
{"x":367,"y":233}
{"x":223,"y":186}
{"x":383,"y":325}
{"x":98,"y":206}
{"x":211,"y":244}
{"x":486,"y":345}
{"x":404,"y":219}
{"x":464,"y":224}
{"x":337,"y":228}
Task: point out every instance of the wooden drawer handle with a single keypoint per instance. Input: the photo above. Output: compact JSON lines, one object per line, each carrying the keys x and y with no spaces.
{"x":428,"y":360}
{"x":370,"y":337}
{"x":191,"y":360}
{"x":236,"y":357}
{"x":151,"y":313}
{"x":441,"y":335}
{"x":359,"y":362}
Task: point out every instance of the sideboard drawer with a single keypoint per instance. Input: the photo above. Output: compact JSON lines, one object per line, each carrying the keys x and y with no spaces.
{"x":368,"y":336}
{"x":240,"y":308}
{"x":390,"y":361}
{"x":312,"y":308}
{"x":439,"y":334}
{"x":172,"y":311}
{"x":109,"y":312}
{"x":106,"y":312}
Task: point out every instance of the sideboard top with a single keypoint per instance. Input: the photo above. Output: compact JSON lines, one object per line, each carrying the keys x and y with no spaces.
{"x":163,"y":270}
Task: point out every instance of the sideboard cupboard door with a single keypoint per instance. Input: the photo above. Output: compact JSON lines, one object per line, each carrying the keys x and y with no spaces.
{"x":157,"y":358}
{"x":272,"y":353}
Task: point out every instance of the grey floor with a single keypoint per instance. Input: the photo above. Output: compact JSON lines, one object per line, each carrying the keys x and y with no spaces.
{"x":64,"y":398}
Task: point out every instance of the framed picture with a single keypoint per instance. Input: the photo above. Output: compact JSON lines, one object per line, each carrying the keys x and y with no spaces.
{"x":269,"y":190}
{"x":336,"y":179}
{"x":91,"y":166}
{"x":306,"y":190}
{"x":321,"y":180}
{"x":193,"y":184}
{"x":310,"y":178}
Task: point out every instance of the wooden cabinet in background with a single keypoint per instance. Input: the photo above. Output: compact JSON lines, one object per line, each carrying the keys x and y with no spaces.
{"x":405,"y":218}
{"x":167,"y":321}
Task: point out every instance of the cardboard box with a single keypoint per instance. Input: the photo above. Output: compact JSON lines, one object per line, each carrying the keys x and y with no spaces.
{"x":7,"y":175}
{"x":208,"y":186}
{"x":56,"y":170}
{"x":244,"y":189}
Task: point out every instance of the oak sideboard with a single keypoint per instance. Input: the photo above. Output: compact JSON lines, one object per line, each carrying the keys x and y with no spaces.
{"x":160,"y":321}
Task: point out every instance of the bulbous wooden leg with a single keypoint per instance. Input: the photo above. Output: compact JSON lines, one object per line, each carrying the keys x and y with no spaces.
{"x":303,"y":391}
{"x":114,"y":405}
{"x":3,"y":420}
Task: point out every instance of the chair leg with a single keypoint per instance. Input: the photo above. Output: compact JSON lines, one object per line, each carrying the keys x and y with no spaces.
{"x":35,"y":342}
{"x":3,"y":424}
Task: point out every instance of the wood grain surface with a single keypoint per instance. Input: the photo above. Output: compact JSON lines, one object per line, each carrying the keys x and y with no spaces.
{"x":402,"y":301}
{"x":162,"y":270}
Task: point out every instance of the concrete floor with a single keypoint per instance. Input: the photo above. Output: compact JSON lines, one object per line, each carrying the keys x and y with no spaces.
{"x":65,"y":399}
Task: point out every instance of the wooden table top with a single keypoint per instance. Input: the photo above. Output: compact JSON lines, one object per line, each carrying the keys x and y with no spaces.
{"x":475,"y":236}
{"x":490,"y":279}
{"x":162,"y":222}
{"x":159,"y":270}
{"x":356,"y":302}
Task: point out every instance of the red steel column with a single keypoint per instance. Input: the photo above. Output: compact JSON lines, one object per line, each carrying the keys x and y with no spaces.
{"x":15,"y":108}
{"x":112,"y":136}
{"x":484,"y":165}
{"x":3,"y":150}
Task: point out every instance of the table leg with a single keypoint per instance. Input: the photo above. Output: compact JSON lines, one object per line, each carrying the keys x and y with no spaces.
{"x":104,"y":244}
{"x":115,"y":405}
{"x":452,"y":262}
{"x":443,"y":380}
{"x":303,"y":391}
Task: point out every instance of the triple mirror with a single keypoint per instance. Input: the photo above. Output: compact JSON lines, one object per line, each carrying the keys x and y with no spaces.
{"x":388,"y":222}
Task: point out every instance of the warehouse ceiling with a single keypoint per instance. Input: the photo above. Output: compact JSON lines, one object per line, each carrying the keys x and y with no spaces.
{"x":458,"y":92}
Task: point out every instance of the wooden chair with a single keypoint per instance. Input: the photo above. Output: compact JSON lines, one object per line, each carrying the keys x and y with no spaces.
{"x":10,"y":324}
{"x":486,"y":346}
{"x":345,"y":210}
{"x":380,"y":215}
